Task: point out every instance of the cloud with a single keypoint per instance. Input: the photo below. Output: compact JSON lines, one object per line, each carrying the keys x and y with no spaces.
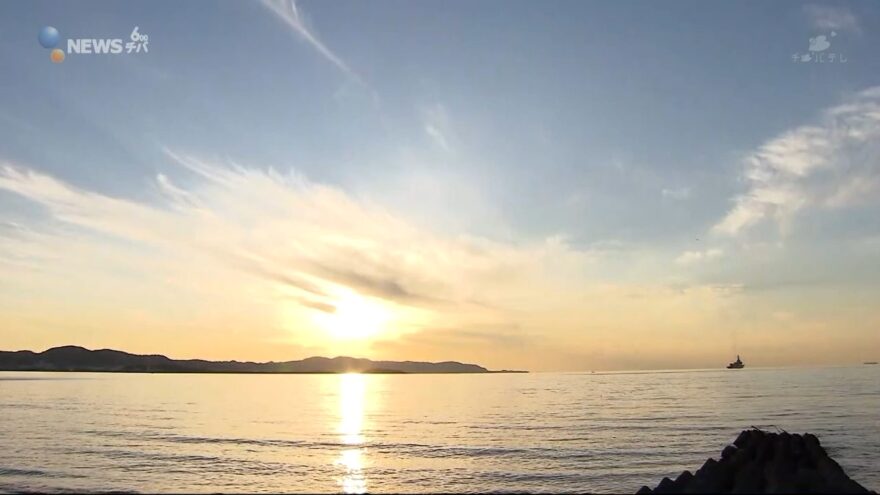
{"x":691,"y":257}
{"x":303,"y":240}
{"x":832,"y":18}
{"x":679,"y":194}
{"x":381,"y":283}
{"x":255,"y":256}
{"x":287,"y":11}
{"x":437,"y":136}
{"x":831,"y":164}
{"x":436,"y":124}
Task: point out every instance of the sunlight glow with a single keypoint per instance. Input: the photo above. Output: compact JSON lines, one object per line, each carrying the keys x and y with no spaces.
{"x":352,"y":396}
{"x":355,"y":318}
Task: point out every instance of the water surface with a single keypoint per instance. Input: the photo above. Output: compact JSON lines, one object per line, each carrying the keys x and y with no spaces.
{"x":540,"y":432}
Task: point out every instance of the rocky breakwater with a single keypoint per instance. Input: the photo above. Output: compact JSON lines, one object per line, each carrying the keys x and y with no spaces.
{"x":762,"y":462}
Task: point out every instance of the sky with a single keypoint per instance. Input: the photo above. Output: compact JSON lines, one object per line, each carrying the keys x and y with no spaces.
{"x":559,"y":185}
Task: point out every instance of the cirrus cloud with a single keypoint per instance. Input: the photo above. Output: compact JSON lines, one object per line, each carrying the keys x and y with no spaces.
{"x":831,"y":164}
{"x":830,"y":17}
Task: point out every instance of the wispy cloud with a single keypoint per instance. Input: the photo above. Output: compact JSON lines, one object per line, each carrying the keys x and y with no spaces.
{"x":832,"y":164}
{"x":303,"y":241}
{"x":437,"y":127}
{"x":287,"y":11}
{"x":691,"y":257}
{"x":832,"y":18}
{"x":679,"y":194}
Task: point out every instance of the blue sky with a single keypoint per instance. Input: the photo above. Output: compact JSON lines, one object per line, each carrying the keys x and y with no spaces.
{"x":631,"y":131}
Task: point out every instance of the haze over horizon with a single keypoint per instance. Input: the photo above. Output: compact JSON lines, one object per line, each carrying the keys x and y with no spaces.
{"x":432,"y":182}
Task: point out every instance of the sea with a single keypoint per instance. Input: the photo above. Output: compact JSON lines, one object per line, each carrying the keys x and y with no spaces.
{"x":536,"y":432}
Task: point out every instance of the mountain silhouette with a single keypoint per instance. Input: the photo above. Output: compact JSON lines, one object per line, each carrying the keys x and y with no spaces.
{"x":75,"y":358}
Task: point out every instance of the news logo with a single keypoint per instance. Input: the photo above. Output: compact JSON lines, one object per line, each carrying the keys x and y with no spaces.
{"x":49,"y":38}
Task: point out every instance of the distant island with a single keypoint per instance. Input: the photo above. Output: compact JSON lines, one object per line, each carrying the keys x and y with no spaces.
{"x":75,"y":358}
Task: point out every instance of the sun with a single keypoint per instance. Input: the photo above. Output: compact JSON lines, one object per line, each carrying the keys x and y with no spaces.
{"x":355,"y":318}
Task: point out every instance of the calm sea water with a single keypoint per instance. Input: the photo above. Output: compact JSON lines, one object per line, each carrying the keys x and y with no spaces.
{"x":413,"y":433}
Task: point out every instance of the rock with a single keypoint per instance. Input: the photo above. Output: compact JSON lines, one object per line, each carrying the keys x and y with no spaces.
{"x":798,"y":450}
{"x":743,"y":438}
{"x":707,"y":479}
{"x":666,"y":486}
{"x":808,"y":480}
{"x":749,"y":479}
{"x":729,"y":451}
{"x":761,"y":462}
{"x":684,"y":478}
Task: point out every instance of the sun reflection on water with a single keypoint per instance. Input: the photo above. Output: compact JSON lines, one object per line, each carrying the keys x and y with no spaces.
{"x":352,"y":396}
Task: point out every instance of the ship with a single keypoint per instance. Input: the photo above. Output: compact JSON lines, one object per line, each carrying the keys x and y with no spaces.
{"x":736,"y":365}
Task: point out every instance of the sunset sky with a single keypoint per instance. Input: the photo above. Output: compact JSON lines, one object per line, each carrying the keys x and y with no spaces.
{"x":539,"y":185}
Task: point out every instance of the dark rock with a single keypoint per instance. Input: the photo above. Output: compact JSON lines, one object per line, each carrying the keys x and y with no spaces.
{"x":761,"y":462}
{"x":707,"y":479}
{"x":765,"y":449}
{"x":728,"y":451}
{"x":684,"y":478}
{"x":666,"y":486}
{"x":750,"y":479}
{"x":743,"y":438}
{"x":706,"y":468}
{"x":798,"y":450}
{"x":807,"y":480}
{"x":779,"y":473}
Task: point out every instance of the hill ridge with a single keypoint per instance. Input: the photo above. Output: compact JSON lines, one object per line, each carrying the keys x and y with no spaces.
{"x":78,"y":358}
